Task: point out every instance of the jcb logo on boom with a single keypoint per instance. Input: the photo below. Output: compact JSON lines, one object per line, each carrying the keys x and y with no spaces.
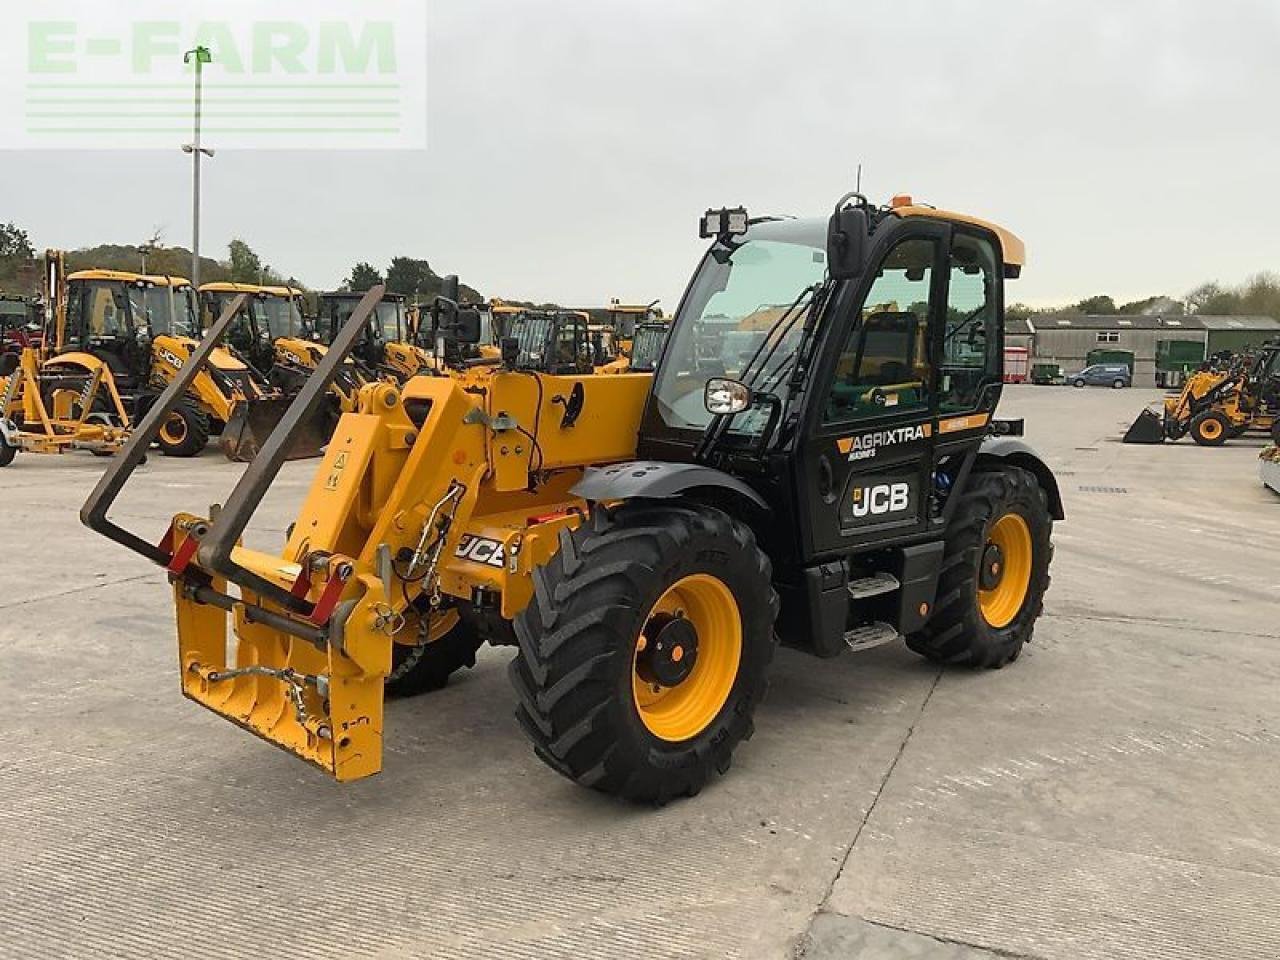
{"x":171,"y":358}
{"x":881,"y":499}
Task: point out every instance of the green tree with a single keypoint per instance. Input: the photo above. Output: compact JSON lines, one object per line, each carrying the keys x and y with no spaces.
{"x":1213,"y":299}
{"x":409,"y":276}
{"x":246,"y":266}
{"x":1101,"y":304}
{"x":15,"y":245}
{"x":363,"y":277}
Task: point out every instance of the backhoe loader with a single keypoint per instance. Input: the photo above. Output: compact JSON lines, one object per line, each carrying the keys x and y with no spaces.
{"x":641,"y":540}
{"x":272,"y":332}
{"x":111,"y":342}
{"x":1227,"y":398}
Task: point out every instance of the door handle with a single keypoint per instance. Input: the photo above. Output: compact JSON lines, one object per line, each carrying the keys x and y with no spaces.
{"x":826,"y":479}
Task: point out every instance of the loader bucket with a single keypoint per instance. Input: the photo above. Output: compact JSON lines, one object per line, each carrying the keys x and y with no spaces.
{"x":1148,"y":428}
{"x":252,"y":421}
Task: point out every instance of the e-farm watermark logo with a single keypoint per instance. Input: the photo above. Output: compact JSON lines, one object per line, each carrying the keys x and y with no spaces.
{"x":284,"y":74}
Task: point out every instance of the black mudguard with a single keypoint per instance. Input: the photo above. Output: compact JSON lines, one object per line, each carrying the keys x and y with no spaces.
{"x":657,"y":480}
{"x":1019,"y":454}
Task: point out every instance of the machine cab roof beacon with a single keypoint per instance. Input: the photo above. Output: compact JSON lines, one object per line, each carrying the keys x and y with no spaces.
{"x":814,"y":460}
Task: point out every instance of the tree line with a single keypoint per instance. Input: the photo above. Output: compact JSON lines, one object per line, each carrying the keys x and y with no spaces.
{"x":1257,"y":296}
{"x":20,"y":271}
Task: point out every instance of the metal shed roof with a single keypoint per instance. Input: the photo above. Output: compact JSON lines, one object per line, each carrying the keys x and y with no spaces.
{"x":1066,"y":321}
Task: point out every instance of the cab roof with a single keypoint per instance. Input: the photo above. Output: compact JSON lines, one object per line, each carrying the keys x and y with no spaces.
{"x":1013,"y":250}
{"x":223,"y":286}
{"x":124,"y":276}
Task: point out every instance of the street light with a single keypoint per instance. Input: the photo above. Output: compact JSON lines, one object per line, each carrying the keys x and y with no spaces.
{"x":201,"y":56}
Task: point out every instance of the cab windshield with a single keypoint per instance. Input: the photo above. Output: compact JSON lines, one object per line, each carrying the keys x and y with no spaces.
{"x":739,"y":293}
{"x":166,"y":315}
{"x":280,"y":316}
{"x":386,"y":320}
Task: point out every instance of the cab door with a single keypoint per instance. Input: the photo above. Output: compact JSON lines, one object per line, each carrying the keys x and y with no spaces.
{"x":866,"y":458}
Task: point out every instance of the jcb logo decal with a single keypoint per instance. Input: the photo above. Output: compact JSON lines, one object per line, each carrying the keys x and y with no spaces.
{"x":480,"y":550}
{"x":880,"y":499}
{"x":171,"y":358}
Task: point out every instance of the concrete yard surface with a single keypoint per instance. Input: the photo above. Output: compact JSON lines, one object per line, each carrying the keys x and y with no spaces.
{"x":1110,"y":795}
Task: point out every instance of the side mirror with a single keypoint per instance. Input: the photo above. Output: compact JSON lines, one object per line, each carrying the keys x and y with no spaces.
{"x":723,"y":396}
{"x":846,"y":241}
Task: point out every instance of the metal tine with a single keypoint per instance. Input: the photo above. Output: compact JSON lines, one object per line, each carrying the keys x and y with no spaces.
{"x":94,"y":512}
{"x":214,"y":553}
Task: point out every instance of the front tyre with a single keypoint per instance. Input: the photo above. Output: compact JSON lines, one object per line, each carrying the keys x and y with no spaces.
{"x":7,"y":451}
{"x":644,"y":651}
{"x":1211,"y":429}
{"x":184,"y":432}
{"x":1078,"y":384}
{"x":995,"y":571}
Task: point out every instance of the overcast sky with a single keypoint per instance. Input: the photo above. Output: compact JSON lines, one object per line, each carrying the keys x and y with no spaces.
{"x":573,"y":144}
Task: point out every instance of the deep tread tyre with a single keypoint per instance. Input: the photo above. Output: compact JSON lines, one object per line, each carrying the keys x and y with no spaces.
{"x":1211,"y":429}
{"x":958,"y":632}
{"x":185,"y":432}
{"x":440,"y":660}
{"x":7,"y":452}
{"x":577,"y":640}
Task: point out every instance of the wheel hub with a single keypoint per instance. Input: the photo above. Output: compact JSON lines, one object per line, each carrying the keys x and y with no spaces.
{"x":992,"y":570}
{"x":670,"y":650}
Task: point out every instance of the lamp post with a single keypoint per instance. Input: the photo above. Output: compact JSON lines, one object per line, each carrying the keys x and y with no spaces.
{"x":201,"y":56}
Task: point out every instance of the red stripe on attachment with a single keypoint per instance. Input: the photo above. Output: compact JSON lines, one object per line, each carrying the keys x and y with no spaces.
{"x":182,"y":556}
{"x":323,"y":609}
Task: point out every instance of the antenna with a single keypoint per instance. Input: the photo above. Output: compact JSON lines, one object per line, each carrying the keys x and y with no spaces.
{"x":858,"y":185}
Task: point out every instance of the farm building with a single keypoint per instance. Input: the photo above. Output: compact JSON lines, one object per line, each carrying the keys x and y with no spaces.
{"x":1070,"y":340}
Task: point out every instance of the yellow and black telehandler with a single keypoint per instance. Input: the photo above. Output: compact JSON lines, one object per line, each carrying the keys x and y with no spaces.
{"x":642,"y":540}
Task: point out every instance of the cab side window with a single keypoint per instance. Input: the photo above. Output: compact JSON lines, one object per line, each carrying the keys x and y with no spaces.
{"x":971,"y":335}
{"x":884,"y":366}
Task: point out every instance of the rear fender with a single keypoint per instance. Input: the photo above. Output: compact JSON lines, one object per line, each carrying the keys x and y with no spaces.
{"x":1014,"y":452}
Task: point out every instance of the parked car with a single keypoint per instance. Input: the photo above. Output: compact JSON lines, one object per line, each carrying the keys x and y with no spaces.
{"x":1115,"y":375}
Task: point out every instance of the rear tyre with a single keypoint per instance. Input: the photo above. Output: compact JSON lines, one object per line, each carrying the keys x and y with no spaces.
{"x":184,"y":433}
{"x":1211,"y":429}
{"x":644,"y":651}
{"x":7,"y":452}
{"x":995,"y":572}
{"x":1275,"y":432}
{"x":1118,"y":385}
{"x":452,"y":647}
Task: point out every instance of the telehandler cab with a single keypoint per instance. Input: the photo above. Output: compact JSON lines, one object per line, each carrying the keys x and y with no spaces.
{"x":636,"y":536}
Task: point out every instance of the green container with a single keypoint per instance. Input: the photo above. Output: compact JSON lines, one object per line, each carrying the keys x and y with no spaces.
{"x":1180,"y":355}
{"x":1110,"y":356}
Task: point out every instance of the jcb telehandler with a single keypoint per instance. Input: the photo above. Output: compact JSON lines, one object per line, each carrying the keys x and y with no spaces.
{"x":1227,"y":398}
{"x":638,"y":538}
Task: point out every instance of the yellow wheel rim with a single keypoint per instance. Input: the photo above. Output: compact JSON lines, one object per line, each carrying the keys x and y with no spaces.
{"x":174,"y":429}
{"x":1210,"y":429}
{"x":1006,"y":568}
{"x":684,"y":709}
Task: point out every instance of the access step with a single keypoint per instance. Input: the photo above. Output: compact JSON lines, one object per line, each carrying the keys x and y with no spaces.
{"x":875,"y":634}
{"x":873,"y":586}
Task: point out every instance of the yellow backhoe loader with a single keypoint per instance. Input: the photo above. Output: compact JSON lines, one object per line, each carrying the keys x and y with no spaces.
{"x":112,"y":340}
{"x":1219,"y":402}
{"x":641,"y":540}
{"x":272,"y":334}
